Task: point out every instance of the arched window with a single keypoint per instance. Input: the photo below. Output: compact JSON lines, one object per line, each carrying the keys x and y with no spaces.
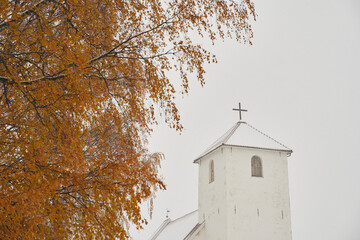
{"x":211,"y":171}
{"x":256,"y":167}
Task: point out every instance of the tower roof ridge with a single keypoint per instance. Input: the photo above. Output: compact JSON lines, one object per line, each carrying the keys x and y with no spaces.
{"x":221,"y":140}
{"x":268,"y":136}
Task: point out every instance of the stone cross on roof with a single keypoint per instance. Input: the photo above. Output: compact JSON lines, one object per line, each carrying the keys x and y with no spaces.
{"x":240,"y":110}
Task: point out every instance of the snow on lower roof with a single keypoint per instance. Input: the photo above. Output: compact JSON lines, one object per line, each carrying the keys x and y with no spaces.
{"x":177,"y":229}
{"x":244,"y":135}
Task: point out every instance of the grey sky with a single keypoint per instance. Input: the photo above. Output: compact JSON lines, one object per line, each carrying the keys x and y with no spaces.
{"x":300,"y":82}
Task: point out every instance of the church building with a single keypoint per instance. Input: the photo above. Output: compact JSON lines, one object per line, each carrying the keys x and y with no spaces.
{"x":243,"y":191}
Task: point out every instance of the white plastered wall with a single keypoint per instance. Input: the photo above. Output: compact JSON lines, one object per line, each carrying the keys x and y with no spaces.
{"x":212,"y":198}
{"x":239,"y":206}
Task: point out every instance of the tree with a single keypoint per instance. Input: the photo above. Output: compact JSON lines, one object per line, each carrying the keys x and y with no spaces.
{"x":82,"y":83}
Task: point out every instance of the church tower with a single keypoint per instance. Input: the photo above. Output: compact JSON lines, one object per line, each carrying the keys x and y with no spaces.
{"x":243,"y":191}
{"x":243,"y":187}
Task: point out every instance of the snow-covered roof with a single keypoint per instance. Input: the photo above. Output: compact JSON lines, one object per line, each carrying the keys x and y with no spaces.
{"x":182,"y":228}
{"x":243,"y":134}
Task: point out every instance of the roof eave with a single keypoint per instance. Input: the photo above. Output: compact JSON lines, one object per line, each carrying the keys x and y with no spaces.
{"x":159,"y":230}
{"x":195,"y":231}
{"x":260,"y":148}
{"x":201,"y":156}
{"x":289,"y":151}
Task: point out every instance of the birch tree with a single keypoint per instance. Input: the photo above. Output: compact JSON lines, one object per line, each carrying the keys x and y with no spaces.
{"x":80,"y":82}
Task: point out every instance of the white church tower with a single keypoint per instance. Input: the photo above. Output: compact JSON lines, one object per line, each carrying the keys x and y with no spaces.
{"x":243,"y":191}
{"x":243,"y":187}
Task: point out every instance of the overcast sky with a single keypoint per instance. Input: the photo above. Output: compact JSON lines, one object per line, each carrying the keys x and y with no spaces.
{"x":300,"y":82}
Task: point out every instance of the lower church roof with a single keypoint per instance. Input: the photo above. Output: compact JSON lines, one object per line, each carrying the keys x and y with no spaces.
{"x":183,"y":228}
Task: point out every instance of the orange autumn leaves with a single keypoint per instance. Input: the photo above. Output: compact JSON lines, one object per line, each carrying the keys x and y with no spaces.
{"x":80,"y":83}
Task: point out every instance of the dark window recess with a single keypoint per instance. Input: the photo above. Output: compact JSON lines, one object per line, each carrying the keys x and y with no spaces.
{"x":256,"y":167}
{"x":211,"y":173}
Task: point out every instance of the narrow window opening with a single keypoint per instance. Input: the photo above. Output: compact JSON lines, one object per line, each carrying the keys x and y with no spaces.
{"x":235,"y":209}
{"x":211,"y":174}
{"x":258,"y":213}
{"x":282,"y":214}
{"x":256,"y":167}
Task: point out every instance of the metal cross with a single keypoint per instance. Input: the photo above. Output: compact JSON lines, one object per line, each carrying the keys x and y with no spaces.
{"x":240,"y":110}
